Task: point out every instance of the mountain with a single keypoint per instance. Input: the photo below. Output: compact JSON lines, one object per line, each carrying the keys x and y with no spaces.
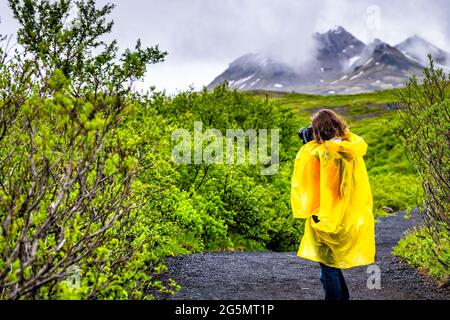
{"x":418,"y":49}
{"x":336,"y":50}
{"x":254,"y":71}
{"x":379,"y":66}
{"x":340,"y":64}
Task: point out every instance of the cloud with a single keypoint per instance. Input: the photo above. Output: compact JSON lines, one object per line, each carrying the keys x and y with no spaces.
{"x":398,"y":19}
{"x":203,"y":36}
{"x":212,"y":30}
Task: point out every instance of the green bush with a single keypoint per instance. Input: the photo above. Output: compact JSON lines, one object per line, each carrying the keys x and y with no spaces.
{"x":423,"y":127}
{"x":421,"y":251}
{"x":234,"y":205}
{"x":68,"y":198}
{"x":396,"y":191}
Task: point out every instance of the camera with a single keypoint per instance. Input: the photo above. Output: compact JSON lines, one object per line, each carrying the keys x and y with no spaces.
{"x":306,"y":134}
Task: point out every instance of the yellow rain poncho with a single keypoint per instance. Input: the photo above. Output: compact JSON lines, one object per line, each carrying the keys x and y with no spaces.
{"x":330,"y":181}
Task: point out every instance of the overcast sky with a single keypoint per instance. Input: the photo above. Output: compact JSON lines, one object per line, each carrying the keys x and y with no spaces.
{"x":203,"y":36}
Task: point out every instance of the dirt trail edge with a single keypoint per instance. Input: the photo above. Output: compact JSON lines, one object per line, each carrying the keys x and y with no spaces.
{"x":274,"y":275}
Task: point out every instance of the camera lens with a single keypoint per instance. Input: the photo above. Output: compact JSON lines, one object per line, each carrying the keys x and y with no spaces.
{"x":305,"y":134}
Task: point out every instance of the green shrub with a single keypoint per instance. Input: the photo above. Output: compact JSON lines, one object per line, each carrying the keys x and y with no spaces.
{"x":421,"y":251}
{"x":396,"y":191}
{"x":234,"y":205}
{"x":68,"y":198}
{"x":423,"y":127}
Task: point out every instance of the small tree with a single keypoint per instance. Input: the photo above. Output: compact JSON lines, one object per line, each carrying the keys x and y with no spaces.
{"x":67,"y":35}
{"x":66,"y":170}
{"x":423,"y":126}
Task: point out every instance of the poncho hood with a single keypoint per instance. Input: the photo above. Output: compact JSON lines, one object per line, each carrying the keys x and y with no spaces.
{"x":353,"y":146}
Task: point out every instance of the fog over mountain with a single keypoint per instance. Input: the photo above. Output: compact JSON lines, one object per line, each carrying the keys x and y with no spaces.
{"x":341,"y":63}
{"x":418,"y":49}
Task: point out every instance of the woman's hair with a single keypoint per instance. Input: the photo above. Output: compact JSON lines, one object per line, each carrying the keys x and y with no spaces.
{"x":327,"y":124}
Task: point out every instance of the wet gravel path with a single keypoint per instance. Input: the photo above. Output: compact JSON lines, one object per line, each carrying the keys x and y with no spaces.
{"x":273,"y":275}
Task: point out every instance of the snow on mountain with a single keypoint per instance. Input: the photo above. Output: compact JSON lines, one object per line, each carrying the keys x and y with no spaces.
{"x":341,"y":64}
{"x":418,"y":49}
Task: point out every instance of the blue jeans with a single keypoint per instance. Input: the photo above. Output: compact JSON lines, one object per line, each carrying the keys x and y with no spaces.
{"x":333,"y":283}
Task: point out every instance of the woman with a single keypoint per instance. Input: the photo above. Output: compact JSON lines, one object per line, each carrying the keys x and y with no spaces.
{"x":330,"y":189}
